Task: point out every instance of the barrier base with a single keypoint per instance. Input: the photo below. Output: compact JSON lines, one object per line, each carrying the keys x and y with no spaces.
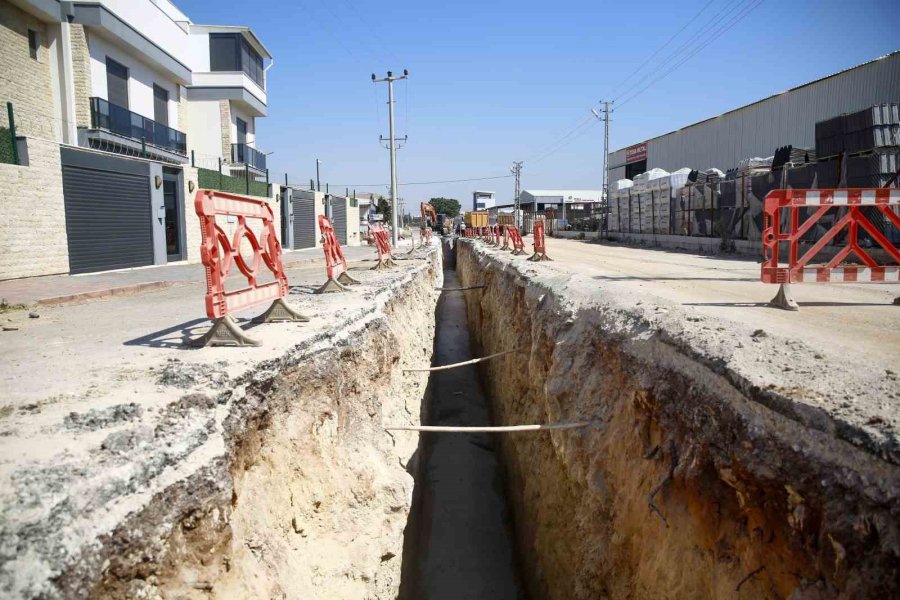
{"x":384,"y":265}
{"x":539,"y":258}
{"x":280,"y":311}
{"x":897,"y":301}
{"x":225,"y":332}
{"x":331,"y":286}
{"x":784,"y":298}
{"x":346,"y":279}
{"x":518,"y":252}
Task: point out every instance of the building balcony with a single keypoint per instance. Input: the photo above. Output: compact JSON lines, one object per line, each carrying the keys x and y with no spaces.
{"x":117,"y":127}
{"x":242,"y":154}
{"x":235,"y":86}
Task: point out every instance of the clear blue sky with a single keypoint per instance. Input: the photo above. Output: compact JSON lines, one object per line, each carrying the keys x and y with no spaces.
{"x":497,"y":81}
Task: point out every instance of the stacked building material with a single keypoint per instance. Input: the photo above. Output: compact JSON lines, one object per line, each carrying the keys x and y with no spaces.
{"x":646,"y":191}
{"x":874,"y":127}
{"x":620,"y":205}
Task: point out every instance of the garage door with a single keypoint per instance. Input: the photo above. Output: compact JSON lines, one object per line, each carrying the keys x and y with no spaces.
{"x":339,"y":218}
{"x":108,"y":221}
{"x":304,"y":221}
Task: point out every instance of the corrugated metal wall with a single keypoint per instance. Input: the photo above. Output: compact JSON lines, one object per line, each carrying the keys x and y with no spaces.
{"x":758,"y":129}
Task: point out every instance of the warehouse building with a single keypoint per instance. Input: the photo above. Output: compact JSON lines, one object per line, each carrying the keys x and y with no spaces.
{"x":758,"y":129}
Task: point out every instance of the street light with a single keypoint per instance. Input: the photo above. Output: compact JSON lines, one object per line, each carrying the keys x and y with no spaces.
{"x":318,"y":185}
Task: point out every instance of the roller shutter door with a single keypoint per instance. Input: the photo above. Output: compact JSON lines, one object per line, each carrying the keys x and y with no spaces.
{"x":304,"y":221}
{"x":339,"y":218}
{"x":108,"y":220}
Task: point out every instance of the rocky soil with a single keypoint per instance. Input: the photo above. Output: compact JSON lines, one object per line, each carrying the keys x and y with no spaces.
{"x":697,"y":479}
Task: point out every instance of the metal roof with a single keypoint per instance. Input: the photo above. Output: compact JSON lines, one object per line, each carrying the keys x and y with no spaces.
{"x":585,"y":194}
{"x":789,"y":90}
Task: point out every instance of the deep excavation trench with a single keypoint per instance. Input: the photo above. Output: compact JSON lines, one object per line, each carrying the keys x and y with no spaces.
{"x":459,"y":541}
{"x":686,"y":485}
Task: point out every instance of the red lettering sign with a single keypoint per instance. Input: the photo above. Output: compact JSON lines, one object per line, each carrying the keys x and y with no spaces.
{"x":636,"y":152}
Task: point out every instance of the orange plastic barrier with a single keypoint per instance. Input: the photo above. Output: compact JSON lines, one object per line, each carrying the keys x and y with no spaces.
{"x":335,"y":263}
{"x":518,"y":245}
{"x":849,"y":207}
{"x":382,"y":247}
{"x":218,"y":254}
{"x":540,"y":249}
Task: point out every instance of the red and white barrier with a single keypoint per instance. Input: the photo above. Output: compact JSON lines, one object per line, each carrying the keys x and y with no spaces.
{"x":218,"y":254}
{"x":540,"y":248}
{"x":383,"y":247}
{"x":516,"y":238}
{"x":335,"y":263}
{"x":846,"y":206}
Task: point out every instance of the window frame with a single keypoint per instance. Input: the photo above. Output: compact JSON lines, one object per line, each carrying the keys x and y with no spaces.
{"x":127,"y":78}
{"x":245,"y":60}
{"x":34,"y":44}
{"x":165,"y":121}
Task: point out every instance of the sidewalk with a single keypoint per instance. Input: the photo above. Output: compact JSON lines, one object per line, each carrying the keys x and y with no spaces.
{"x":59,"y":289}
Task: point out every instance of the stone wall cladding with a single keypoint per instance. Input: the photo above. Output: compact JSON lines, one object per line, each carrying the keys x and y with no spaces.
{"x":81,"y":75}
{"x":225,"y":116}
{"x":33,"y":230}
{"x":192,"y":222}
{"x":25,"y":81}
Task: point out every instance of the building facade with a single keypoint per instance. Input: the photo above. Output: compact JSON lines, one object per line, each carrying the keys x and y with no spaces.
{"x":758,"y":129}
{"x":483,"y":200}
{"x":121,"y":110}
{"x":539,"y":200}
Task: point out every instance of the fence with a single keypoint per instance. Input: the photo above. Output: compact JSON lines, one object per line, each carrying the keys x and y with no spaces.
{"x":216,"y":180}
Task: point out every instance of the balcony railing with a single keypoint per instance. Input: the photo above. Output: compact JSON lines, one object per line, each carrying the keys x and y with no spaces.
{"x":122,"y":121}
{"x":243,"y":154}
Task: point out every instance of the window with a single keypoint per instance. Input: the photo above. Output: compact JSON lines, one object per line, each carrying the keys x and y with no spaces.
{"x":231,"y":52}
{"x":241,"y":130}
{"x":34,"y":42}
{"x":116,"y":83}
{"x":223,"y":52}
{"x":160,"y":105}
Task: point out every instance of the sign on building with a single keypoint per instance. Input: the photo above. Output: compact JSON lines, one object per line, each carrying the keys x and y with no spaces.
{"x":636,"y":152}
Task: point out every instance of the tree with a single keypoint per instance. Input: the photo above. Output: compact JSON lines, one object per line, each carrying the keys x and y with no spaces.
{"x":446,"y":206}
{"x":384,"y":207}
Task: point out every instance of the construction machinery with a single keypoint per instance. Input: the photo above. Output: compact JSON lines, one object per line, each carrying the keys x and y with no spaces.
{"x":430,"y":219}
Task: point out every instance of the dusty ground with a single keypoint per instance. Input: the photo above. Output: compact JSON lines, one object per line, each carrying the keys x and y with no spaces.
{"x":727,"y":458}
{"x":129,"y":459}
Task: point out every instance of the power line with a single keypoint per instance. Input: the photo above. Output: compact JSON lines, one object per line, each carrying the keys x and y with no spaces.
{"x":363,"y":185}
{"x":734,"y":21}
{"x":658,"y":50}
{"x":686,"y":46}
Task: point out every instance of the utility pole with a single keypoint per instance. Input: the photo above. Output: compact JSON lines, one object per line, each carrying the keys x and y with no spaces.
{"x":318,"y":185}
{"x":516,"y":170}
{"x":606,"y":120}
{"x":390,"y":79}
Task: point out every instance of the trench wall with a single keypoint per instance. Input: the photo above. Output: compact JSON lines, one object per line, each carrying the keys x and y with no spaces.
{"x":685,"y":486}
{"x":309,"y":495}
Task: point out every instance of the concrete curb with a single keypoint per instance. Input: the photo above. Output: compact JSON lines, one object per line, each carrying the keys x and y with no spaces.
{"x":105,"y":293}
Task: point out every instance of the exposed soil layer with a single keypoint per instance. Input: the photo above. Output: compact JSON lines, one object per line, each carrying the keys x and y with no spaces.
{"x":298,"y":492}
{"x":691,"y":483}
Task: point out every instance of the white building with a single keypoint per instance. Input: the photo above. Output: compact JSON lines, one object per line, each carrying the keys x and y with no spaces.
{"x":537,"y":200}
{"x":134,"y":96}
{"x":483,"y":200}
